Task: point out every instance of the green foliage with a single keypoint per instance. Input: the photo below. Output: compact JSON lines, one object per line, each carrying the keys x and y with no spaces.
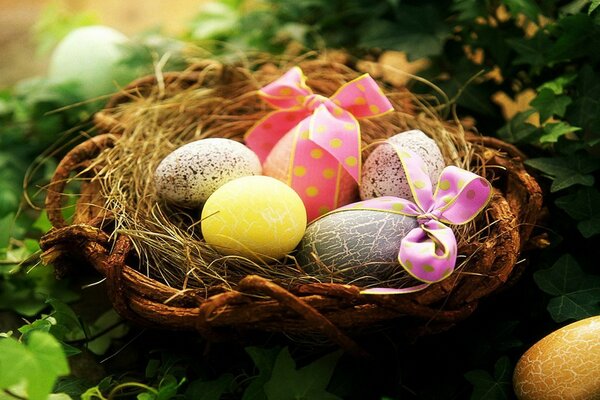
{"x":576,"y":294}
{"x":306,"y":383}
{"x":170,"y":376}
{"x":25,"y":285}
{"x":55,"y":23}
{"x":264,"y":359}
{"x":210,"y":390}
{"x":419,"y":30}
{"x":566,"y":171}
{"x":584,"y":207}
{"x":493,"y":387}
{"x":30,"y":368}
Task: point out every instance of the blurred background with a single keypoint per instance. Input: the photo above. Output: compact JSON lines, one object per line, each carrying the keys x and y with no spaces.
{"x":18,"y":18}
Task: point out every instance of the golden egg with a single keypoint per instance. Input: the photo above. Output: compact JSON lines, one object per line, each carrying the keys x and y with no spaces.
{"x":563,"y":365}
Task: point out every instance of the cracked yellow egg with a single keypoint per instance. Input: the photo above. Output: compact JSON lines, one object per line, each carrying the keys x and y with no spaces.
{"x":257,"y":217}
{"x":563,"y":365}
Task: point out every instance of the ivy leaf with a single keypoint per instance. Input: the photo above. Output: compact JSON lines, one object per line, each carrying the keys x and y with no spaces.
{"x":532,"y":52}
{"x":308,"y":382}
{"x":38,"y":362}
{"x":583,"y":206}
{"x":419,"y":31}
{"x":526,"y":7}
{"x":593,"y":5}
{"x":44,"y":325}
{"x":68,"y":325}
{"x":488,"y":387}
{"x":549,"y":104}
{"x":518,"y":130}
{"x":210,"y":390}
{"x":42,"y":224}
{"x":167,"y":389}
{"x":558,"y":85}
{"x":565,"y":171}
{"x":468,"y":10}
{"x":264,"y":359}
{"x":585,"y":110}
{"x":215,"y":21}
{"x":555,"y":130}
{"x":107,"y":320}
{"x":577,"y":294}
{"x":469,"y":94}
{"x":576,"y":36}
{"x":71,"y":386}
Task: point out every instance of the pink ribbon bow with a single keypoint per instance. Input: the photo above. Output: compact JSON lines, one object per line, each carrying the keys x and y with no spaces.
{"x":326,"y":133}
{"x":428,"y":252}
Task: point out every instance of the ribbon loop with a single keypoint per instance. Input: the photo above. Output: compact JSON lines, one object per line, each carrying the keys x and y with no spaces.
{"x":428,"y":253}
{"x":329,"y":127}
{"x":288,"y":91}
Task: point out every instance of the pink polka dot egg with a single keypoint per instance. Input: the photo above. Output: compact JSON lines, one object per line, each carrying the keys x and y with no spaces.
{"x":278,"y":165}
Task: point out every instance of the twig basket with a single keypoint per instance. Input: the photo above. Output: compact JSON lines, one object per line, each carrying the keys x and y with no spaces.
{"x":254,"y":301}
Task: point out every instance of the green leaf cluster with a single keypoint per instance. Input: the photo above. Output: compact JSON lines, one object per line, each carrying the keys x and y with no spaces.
{"x":30,"y":367}
{"x":493,"y":387}
{"x":419,"y":29}
{"x":576,"y":293}
{"x":172,"y":376}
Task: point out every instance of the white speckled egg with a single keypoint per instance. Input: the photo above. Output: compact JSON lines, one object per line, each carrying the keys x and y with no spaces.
{"x":382,"y":173}
{"x":355,"y":246}
{"x":191,"y":173}
{"x":563,"y":365}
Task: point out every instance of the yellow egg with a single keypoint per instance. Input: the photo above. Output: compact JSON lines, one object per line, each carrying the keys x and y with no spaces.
{"x":563,"y":365}
{"x":257,"y":217}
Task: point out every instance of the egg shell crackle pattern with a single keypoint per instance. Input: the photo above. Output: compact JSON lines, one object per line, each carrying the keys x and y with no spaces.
{"x":563,"y":365}
{"x":257,"y":217}
{"x":357,"y":246}
{"x":194,"y":171}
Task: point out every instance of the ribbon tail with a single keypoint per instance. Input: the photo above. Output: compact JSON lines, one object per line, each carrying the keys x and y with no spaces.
{"x":288,"y":91}
{"x":384,"y":291}
{"x":339,"y":135}
{"x":314,"y":174}
{"x":265,"y":134}
{"x":428,"y":253}
{"x":416,"y":176}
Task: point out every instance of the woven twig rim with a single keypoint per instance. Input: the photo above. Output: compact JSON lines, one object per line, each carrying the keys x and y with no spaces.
{"x":257,"y":303}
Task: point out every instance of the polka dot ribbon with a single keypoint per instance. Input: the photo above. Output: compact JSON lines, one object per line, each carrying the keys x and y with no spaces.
{"x":326,"y":133}
{"x":428,"y":252}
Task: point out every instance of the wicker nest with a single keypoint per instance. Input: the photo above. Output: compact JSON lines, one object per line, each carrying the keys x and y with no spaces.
{"x":254,"y":299}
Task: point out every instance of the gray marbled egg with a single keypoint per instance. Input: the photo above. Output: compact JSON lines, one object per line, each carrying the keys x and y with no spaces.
{"x":354,"y":246}
{"x":382,"y":173}
{"x":191,"y":173}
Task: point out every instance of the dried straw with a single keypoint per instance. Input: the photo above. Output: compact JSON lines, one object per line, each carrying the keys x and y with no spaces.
{"x":221,"y":101}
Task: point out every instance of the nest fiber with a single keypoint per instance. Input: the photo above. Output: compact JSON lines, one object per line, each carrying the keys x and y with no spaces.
{"x":161,"y":273}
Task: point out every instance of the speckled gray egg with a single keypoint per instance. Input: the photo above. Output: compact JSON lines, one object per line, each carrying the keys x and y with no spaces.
{"x":191,"y":173}
{"x":354,"y":246}
{"x":382,"y":173}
